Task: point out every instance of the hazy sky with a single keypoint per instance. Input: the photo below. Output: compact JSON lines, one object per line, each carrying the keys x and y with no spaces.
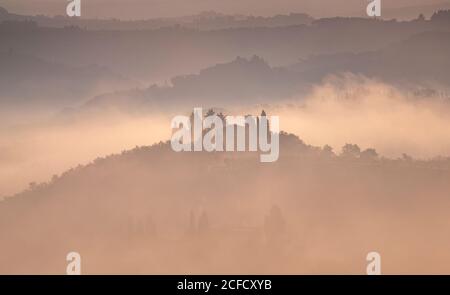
{"x":132,"y":9}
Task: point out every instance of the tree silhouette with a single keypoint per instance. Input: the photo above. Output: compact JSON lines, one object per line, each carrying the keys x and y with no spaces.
{"x":369,"y":154}
{"x":203,"y":223}
{"x":274,"y":224}
{"x":421,"y":18}
{"x":327,"y":151}
{"x":441,"y":15}
{"x":351,"y":151}
{"x":192,"y":226}
{"x":210,"y":112}
{"x":407,"y":158}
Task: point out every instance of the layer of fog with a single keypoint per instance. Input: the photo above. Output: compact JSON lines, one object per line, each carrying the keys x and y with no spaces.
{"x":153,"y":211}
{"x":35,"y":151}
{"x":354,"y":109}
{"x":342,"y":110}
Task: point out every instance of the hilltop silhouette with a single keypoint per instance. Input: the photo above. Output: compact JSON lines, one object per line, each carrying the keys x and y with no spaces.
{"x":248,"y":81}
{"x":141,"y":200}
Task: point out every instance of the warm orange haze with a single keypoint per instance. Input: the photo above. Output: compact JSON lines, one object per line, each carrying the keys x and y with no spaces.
{"x":87,"y":164}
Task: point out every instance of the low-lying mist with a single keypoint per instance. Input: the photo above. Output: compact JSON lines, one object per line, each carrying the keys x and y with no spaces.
{"x":151,"y":210}
{"x":370,"y":113}
{"x":35,"y":151}
{"x":343,"y":109}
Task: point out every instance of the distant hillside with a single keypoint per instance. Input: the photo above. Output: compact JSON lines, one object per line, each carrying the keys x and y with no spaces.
{"x":413,"y":11}
{"x":156,"y":55}
{"x":25,"y":79}
{"x":179,"y":210}
{"x":250,"y":81}
{"x":239,"y":82}
{"x":209,"y":20}
{"x":420,"y":59}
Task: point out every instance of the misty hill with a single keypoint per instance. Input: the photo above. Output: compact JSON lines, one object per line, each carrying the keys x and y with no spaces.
{"x":420,"y":59}
{"x":180,"y":210}
{"x":208,"y":20}
{"x":155,"y":55}
{"x":239,"y":82}
{"x":412,"y":11}
{"x":25,"y":79}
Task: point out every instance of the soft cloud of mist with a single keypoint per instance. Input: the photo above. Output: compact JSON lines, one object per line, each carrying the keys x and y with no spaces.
{"x":345,"y":109}
{"x":149,"y":204}
{"x":354,"y":109}
{"x":32,"y":152}
{"x":153,"y":211}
